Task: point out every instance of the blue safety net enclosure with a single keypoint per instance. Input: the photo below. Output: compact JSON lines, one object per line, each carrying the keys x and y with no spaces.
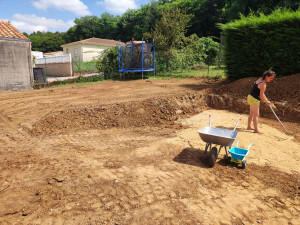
{"x":136,"y":56}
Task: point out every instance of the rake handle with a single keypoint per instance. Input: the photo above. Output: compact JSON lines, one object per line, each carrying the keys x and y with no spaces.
{"x":278,"y":118}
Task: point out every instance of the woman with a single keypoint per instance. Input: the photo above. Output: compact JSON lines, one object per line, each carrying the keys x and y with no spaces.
{"x":258,"y":93}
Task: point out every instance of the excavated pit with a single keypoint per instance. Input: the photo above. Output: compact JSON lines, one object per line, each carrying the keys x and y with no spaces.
{"x":129,"y":153}
{"x":155,"y":112}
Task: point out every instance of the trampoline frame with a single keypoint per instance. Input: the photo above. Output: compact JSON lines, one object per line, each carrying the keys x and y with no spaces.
{"x":133,"y":70}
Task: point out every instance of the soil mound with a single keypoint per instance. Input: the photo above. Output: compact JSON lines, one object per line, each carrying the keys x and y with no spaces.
{"x":281,"y":89}
{"x":158,"y":112}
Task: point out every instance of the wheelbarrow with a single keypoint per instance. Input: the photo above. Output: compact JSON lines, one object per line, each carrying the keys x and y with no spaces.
{"x":238,"y":155}
{"x":217,"y":136}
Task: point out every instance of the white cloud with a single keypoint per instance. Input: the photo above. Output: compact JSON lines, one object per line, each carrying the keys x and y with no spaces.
{"x":33,"y":23}
{"x":75,"y":6}
{"x":118,"y":6}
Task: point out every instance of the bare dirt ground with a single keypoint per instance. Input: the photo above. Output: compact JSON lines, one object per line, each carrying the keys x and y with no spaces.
{"x":129,"y":153}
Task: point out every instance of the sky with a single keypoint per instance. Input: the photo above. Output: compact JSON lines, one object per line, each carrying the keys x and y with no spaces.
{"x":59,"y":15}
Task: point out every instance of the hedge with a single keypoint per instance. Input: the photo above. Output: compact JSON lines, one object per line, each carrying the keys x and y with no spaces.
{"x":254,"y":44}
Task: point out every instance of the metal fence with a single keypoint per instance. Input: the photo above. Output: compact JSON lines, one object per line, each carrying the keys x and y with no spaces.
{"x":60,"y":65}
{"x":84,"y":67}
{"x":55,"y":59}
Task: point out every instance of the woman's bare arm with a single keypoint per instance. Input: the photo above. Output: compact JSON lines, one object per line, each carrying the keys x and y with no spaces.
{"x":262,"y":95}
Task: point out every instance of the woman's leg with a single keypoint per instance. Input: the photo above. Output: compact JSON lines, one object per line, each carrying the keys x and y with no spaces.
{"x":250,"y":119}
{"x":255,"y":109}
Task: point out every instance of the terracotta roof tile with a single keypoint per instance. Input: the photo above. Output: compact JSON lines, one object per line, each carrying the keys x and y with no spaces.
{"x":98,"y":41}
{"x":9,"y":31}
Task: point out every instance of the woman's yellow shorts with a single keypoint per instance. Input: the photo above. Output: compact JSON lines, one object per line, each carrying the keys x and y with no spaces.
{"x":252,"y":101}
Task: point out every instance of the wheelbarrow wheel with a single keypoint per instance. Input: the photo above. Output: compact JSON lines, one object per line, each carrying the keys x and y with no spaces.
{"x":244,"y":164}
{"x":229,"y":159}
{"x":213,"y":156}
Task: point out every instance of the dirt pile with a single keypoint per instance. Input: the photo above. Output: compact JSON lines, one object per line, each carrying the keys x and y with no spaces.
{"x":161,"y":112}
{"x":281,"y":89}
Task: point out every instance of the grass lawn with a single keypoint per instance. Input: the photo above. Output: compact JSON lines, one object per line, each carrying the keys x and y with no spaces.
{"x":213,"y":72}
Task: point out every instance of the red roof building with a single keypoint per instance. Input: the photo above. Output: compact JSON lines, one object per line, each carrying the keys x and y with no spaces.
{"x":94,"y":41}
{"x":15,"y":57}
{"x":9,"y":31}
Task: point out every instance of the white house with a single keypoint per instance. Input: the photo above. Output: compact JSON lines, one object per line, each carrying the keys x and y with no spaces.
{"x":88,"y":49}
{"x":37,"y":54}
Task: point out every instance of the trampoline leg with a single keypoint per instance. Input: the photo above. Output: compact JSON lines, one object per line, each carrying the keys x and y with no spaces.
{"x":142,"y":75}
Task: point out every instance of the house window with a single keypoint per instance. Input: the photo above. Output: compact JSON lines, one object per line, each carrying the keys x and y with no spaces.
{"x":75,"y":52}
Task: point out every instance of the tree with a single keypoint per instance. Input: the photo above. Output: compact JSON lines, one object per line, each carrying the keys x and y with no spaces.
{"x":46,"y":42}
{"x":85,"y":27}
{"x":126,"y":25}
{"x":200,"y":50}
{"x":169,"y":33}
{"x":234,"y":8}
{"x":146,"y":19}
{"x":134,"y":23}
{"x":205,"y":15}
{"x":210,"y":50}
{"x":108,"y":25}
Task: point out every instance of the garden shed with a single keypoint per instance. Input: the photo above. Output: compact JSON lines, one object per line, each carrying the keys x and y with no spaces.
{"x":15,"y":59}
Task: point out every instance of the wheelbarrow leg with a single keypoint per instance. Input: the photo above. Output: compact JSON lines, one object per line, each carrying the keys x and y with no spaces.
{"x":206,"y":147}
{"x":225,"y":147}
{"x":220,"y":149}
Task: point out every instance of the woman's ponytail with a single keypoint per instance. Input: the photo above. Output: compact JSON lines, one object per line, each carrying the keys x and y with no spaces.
{"x":268,"y":73}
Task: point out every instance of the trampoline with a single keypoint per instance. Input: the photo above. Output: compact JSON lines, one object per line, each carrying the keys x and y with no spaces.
{"x":136,"y":56}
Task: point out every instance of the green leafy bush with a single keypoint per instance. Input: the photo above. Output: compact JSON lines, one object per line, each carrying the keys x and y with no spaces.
{"x":193,"y":51}
{"x":254,"y":44}
{"x":209,"y":50}
{"x":108,"y":63}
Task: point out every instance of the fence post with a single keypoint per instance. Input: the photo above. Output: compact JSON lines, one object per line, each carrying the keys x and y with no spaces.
{"x":208,"y":66}
{"x":73,"y":67}
{"x":220,"y":52}
{"x":79,"y":65}
{"x":46,"y":66}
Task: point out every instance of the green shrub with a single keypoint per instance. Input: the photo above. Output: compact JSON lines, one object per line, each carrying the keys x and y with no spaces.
{"x":193,"y":51}
{"x":108,"y":63}
{"x":254,"y":44}
{"x":209,"y":49}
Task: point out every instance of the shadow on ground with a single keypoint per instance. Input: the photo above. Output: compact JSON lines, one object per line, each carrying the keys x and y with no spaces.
{"x":199,"y":87}
{"x":197,"y":157}
{"x":192,"y":156}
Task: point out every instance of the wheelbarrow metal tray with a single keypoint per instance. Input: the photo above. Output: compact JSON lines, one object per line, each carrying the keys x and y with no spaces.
{"x":217,"y":136}
{"x":238,"y":153}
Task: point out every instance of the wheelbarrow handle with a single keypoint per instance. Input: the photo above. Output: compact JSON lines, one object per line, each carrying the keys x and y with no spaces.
{"x":209,"y":120}
{"x":237,"y":123}
{"x":250,"y":146}
{"x":237,"y":143}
